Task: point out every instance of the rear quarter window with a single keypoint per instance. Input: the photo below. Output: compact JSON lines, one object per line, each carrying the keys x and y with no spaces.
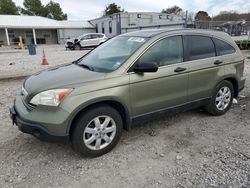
{"x":199,"y":47}
{"x":223,"y":48}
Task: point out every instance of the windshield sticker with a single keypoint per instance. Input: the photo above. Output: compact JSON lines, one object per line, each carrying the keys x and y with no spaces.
{"x":136,"y":39}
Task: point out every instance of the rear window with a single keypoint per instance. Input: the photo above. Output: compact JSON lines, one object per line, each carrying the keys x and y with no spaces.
{"x":222,"y":47}
{"x":199,"y":47}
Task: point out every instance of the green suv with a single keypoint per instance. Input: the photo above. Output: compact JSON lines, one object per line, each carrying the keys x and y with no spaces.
{"x":127,"y":79}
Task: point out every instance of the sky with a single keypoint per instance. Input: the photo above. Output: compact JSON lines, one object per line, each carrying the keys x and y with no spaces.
{"x":90,"y":9}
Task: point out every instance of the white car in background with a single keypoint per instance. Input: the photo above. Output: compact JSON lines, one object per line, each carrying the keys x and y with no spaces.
{"x":86,"y":40}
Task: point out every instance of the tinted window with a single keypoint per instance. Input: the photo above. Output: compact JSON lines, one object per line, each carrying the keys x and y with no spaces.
{"x":199,"y":47}
{"x":110,"y":26}
{"x":165,"y":52}
{"x":85,"y":37}
{"x":95,"y":36}
{"x":223,"y":48}
{"x":103,"y":31}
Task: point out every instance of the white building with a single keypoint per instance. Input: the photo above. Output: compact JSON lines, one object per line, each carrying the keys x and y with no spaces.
{"x":40,"y":30}
{"x":118,"y":23}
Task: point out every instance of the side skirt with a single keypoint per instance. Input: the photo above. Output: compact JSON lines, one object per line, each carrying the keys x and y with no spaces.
{"x":170,"y":111}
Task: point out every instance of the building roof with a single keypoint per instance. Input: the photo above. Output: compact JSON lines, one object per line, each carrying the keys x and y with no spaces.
{"x":75,"y":24}
{"x":38,"y":22}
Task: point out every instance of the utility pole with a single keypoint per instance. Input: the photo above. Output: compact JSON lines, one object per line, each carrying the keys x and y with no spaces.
{"x":186,"y":19}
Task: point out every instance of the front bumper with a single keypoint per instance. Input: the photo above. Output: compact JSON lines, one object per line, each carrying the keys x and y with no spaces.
{"x":35,"y":129}
{"x":69,"y":45}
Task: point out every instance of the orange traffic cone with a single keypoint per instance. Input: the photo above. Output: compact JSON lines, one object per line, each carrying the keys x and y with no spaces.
{"x":44,"y":61}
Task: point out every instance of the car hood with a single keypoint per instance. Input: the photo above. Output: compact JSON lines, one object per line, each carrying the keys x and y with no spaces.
{"x":72,"y":40}
{"x":62,"y":76}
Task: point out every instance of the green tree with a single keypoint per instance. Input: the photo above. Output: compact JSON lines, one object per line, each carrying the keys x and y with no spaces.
{"x":112,"y":8}
{"x":34,"y":8}
{"x":173,"y":10}
{"x":55,"y":11}
{"x":8,"y":7}
{"x":228,"y":16}
{"x":202,"y":16}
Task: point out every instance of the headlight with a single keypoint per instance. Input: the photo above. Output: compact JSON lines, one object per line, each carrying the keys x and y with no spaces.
{"x":50,"y":97}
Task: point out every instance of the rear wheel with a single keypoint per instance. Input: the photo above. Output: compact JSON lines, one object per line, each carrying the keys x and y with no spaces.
{"x":222,"y":98}
{"x":97,"y":131}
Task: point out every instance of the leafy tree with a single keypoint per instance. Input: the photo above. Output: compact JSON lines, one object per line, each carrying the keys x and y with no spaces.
{"x":112,"y":8}
{"x":227,"y":16}
{"x":55,"y":11}
{"x":8,"y":7}
{"x":202,"y":16}
{"x":245,"y":16}
{"x":34,"y":8}
{"x":173,"y":10}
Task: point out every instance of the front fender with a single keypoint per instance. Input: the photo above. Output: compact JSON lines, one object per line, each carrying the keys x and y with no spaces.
{"x":77,"y":103}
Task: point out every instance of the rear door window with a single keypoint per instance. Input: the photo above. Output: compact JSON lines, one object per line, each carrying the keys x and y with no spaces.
{"x":96,"y":36}
{"x":93,"y":36}
{"x":222,"y":47}
{"x":199,"y":47}
{"x":86,"y":37}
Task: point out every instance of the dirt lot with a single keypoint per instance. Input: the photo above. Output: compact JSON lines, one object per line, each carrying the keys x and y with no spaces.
{"x":16,"y":62}
{"x":191,"y":149}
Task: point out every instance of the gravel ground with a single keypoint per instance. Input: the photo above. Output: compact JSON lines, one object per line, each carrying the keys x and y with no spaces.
{"x":191,"y":149}
{"x":16,"y":62}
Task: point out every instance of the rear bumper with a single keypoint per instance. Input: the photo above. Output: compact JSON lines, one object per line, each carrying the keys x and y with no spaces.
{"x":35,"y":129}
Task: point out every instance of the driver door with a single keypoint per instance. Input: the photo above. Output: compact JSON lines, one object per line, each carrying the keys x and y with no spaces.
{"x":166,"y":88}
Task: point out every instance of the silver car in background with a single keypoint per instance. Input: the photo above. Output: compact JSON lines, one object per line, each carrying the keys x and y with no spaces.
{"x":86,"y":40}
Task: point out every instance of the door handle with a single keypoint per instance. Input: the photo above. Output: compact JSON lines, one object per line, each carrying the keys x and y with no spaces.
{"x":180,"y":69}
{"x":217,"y":62}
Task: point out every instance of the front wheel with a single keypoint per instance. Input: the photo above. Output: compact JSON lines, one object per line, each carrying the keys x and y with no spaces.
{"x":97,"y":131}
{"x":77,"y":47}
{"x":221,"y":99}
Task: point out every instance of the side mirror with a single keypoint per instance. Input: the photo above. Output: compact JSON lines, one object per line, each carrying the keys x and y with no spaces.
{"x":145,"y":67}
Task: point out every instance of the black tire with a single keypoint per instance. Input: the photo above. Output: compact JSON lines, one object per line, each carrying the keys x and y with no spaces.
{"x":77,"y":47}
{"x":211,"y":107}
{"x":77,"y":137}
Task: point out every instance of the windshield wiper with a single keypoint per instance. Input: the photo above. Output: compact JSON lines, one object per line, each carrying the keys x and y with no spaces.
{"x":86,"y":66}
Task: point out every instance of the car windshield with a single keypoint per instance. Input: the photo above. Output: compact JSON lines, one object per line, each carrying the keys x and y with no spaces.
{"x":112,"y":54}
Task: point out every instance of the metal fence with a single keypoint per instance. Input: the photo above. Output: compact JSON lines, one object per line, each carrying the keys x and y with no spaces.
{"x":234,"y":28}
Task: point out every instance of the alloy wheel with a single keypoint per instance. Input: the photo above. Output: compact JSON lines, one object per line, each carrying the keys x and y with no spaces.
{"x":223,"y":98}
{"x":99,"y":132}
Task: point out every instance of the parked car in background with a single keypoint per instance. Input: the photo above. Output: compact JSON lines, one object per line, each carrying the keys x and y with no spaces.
{"x":130,"y":78}
{"x":86,"y":40}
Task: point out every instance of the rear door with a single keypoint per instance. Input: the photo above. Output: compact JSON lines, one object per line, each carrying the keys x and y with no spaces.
{"x":165,"y":88}
{"x":96,"y":39}
{"x":86,"y":41}
{"x":205,"y":68}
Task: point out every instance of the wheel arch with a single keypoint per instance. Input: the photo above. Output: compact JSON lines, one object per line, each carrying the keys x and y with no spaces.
{"x":234,"y":81}
{"x":119,"y":106}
